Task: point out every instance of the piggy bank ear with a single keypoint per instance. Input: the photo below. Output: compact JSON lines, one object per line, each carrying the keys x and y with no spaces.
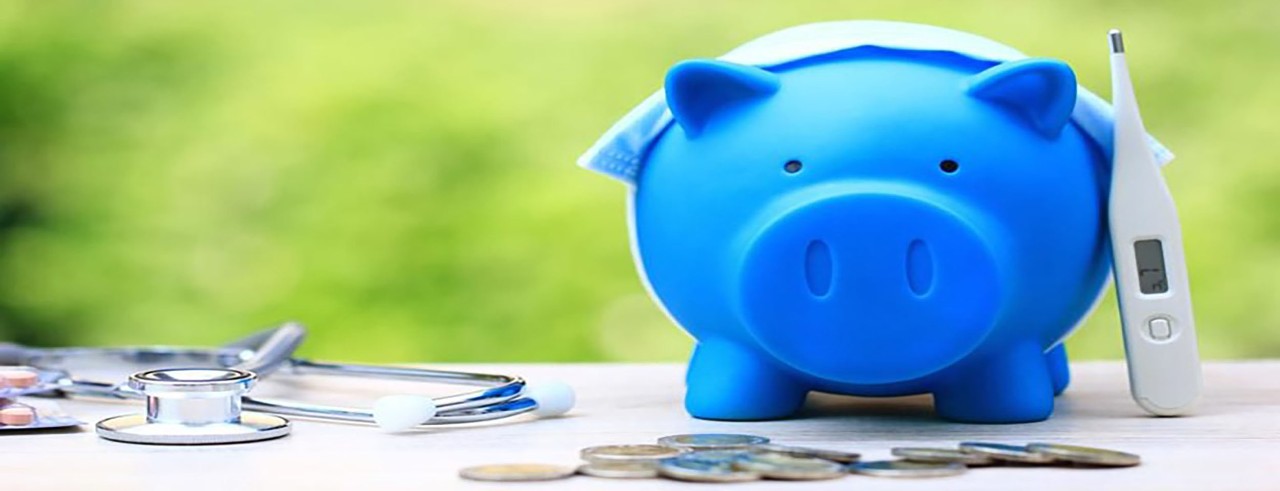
{"x":698,"y":89}
{"x":1041,"y":90}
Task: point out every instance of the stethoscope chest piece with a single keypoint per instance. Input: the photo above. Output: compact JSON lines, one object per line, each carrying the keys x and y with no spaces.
{"x":193,"y":406}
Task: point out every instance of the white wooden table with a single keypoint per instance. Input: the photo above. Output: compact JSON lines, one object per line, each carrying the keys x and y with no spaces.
{"x":1232,"y":443}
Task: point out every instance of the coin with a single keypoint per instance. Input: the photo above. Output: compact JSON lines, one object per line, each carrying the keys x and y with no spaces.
{"x":1005,"y":453}
{"x":515,"y":472}
{"x":817,"y":453}
{"x":921,"y":454}
{"x":629,"y":453}
{"x":727,"y":457}
{"x":1086,"y":455}
{"x":706,"y":466}
{"x":902,"y":468}
{"x":641,"y":470}
{"x":712,"y":441}
{"x":789,"y":468}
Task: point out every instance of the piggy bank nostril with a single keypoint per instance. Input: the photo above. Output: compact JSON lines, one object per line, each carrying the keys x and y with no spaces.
{"x":818,"y":268}
{"x":919,"y":267}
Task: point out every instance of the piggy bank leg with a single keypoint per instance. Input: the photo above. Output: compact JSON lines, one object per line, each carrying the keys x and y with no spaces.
{"x":1012,"y":387}
{"x":728,"y":382}
{"x":1056,"y":359}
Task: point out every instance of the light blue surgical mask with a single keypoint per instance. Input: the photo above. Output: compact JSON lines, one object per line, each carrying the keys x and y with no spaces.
{"x":622,"y":150}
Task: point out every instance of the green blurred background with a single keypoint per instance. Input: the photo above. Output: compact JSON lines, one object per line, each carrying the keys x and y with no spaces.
{"x":400,"y":175}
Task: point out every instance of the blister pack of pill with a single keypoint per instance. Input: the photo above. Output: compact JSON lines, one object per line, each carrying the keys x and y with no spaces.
{"x":18,"y":415}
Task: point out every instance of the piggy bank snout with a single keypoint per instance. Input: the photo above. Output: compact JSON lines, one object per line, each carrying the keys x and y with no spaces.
{"x":869,"y":287}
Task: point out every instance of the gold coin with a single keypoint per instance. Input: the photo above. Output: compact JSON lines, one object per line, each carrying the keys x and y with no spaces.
{"x":1086,"y":455}
{"x":515,"y":472}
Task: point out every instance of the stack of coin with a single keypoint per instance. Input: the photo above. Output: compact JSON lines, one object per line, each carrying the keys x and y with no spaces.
{"x":625,"y":461}
{"x":707,"y":466}
{"x":732,"y":458}
{"x":709,"y":457}
{"x":716,"y":457}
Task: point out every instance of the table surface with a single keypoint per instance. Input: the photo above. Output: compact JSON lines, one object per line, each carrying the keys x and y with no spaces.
{"x":1232,"y":442}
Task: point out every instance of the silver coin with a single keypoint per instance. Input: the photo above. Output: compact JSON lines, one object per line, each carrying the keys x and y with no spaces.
{"x":629,"y":453}
{"x":1086,"y":455}
{"x":712,"y":441}
{"x":817,"y":453}
{"x":642,"y":470}
{"x":1005,"y":452}
{"x":706,"y":466}
{"x":902,"y":468}
{"x":921,"y":454}
{"x":516,"y":472}
{"x":727,"y":457}
{"x":789,"y":468}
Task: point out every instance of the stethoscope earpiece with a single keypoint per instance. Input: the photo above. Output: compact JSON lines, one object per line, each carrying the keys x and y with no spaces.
{"x":402,"y":412}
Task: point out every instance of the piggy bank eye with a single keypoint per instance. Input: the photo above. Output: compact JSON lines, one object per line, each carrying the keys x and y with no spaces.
{"x":792,"y":166}
{"x":949,"y":166}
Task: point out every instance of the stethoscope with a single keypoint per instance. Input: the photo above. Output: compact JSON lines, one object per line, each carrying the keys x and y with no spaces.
{"x":200,"y":395}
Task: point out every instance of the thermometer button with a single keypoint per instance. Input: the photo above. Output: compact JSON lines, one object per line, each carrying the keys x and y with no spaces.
{"x":1159,"y":329}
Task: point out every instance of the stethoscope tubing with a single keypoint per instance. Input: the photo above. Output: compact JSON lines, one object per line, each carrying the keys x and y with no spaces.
{"x":500,"y":398}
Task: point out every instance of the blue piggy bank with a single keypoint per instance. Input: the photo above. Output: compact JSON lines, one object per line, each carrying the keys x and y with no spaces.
{"x":874,"y":221}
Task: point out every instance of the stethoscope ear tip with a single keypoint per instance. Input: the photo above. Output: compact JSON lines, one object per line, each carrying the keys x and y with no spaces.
{"x":553,"y":397}
{"x":402,"y":412}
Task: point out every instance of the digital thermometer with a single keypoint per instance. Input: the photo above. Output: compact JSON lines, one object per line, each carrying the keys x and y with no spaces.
{"x":1148,"y":262}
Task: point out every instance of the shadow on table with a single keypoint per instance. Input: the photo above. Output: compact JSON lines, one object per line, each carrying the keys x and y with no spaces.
{"x":820,"y":405}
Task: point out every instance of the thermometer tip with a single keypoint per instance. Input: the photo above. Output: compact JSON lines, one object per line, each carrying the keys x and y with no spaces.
{"x":1117,"y":41}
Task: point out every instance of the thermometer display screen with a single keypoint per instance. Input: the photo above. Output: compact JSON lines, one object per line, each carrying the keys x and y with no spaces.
{"x":1151,"y":274}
